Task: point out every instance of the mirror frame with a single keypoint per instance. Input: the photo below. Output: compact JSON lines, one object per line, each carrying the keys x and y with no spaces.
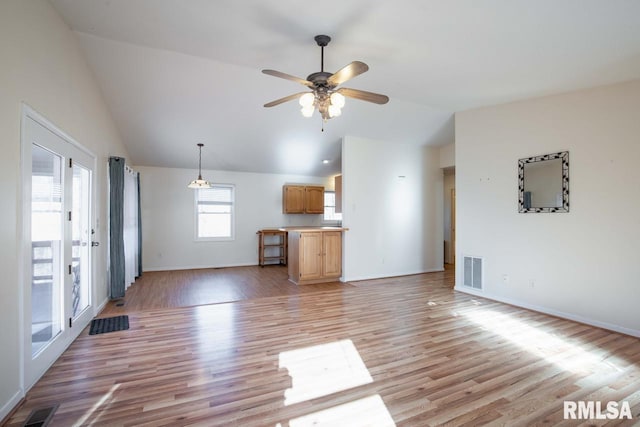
{"x":564,"y":157}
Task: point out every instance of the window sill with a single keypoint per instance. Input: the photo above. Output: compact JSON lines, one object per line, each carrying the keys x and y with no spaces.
{"x":214,"y":239}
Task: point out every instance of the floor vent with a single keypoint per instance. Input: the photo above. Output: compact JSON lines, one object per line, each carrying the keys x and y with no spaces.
{"x":472,"y":276}
{"x":40,"y":417}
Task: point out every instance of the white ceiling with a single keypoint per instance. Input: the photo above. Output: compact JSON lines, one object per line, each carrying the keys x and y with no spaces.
{"x":178,"y":72}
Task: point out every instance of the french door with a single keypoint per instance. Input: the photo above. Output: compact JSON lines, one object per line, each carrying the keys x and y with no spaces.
{"x":57,"y":229}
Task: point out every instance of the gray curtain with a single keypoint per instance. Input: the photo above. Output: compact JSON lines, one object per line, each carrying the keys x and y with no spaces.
{"x":116,"y":227}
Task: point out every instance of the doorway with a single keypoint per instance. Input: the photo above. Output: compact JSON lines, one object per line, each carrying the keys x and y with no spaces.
{"x":449,"y":183}
{"x":57,"y":215}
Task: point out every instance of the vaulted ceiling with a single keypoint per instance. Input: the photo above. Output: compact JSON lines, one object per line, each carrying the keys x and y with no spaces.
{"x":178,"y":72}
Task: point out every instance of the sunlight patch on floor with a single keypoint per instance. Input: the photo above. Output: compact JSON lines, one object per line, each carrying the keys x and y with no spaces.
{"x":96,"y":408}
{"x":367,"y":412}
{"x":566,"y":355}
{"x":323,"y":369}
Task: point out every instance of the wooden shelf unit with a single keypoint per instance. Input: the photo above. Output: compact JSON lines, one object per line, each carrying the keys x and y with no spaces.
{"x":272,"y":247}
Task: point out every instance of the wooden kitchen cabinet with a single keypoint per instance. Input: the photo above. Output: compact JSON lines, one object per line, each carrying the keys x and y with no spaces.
{"x":332,"y":254}
{"x":302,"y":199}
{"x":293,"y":199}
{"x":310,"y":256}
{"x":315,"y":256}
{"x":314,"y":199}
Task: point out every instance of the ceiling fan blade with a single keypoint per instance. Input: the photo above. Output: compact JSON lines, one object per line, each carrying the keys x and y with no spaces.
{"x":285,"y":99}
{"x":288,"y":77}
{"x":347,"y":72}
{"x":376,"y":98}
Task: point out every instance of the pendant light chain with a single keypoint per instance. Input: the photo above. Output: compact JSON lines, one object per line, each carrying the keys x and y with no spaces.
{"x":200,"y":162}
{"x":199,"y":183}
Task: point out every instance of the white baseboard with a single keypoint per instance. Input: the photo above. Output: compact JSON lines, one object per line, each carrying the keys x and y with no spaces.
{"x":11,"y":404}
{"x":389,"y":275}
{"x":198,"y":267}
{"x":552,"y":312}
{"x":101,"y":307}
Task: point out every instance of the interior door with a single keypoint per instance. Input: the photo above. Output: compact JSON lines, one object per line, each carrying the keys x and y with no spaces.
{"x":453,"y":226}
{"x":57,"y":219}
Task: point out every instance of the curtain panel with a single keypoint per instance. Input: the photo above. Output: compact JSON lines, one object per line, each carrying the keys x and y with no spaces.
{"x":124,"y":227}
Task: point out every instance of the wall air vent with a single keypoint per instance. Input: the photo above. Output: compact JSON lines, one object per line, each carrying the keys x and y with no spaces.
{"x":472,"y":275}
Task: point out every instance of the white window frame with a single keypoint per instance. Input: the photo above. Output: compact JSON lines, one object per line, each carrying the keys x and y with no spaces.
{"x":330,"y":221}
{"x":197,"y":238}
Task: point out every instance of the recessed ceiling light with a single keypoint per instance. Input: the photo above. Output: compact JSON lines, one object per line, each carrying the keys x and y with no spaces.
{"x":325,"y":161}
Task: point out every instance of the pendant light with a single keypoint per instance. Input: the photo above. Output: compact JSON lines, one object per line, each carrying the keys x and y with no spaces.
{"x":199,"y":183}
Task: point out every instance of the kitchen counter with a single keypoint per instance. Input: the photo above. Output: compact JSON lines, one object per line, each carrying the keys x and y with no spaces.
{"x":304,"y":228}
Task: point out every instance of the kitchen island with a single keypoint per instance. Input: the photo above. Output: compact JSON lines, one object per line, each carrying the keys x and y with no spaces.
{"x":315,"y":254}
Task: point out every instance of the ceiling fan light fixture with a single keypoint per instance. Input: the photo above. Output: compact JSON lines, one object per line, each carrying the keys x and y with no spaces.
{"x":307,"y":111}
{"x":337,"y":99}
{"x":199,"y":182}
{"x":334,"y":111}
{"x":307,"y":99}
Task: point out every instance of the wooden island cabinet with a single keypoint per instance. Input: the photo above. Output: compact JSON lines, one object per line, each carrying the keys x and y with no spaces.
{"x":315,"y":254}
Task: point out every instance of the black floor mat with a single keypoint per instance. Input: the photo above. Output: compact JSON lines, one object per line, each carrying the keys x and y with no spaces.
{"x":109,"y":324}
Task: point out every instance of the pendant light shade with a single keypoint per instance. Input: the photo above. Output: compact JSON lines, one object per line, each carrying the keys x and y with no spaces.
{"x":199,"y":183}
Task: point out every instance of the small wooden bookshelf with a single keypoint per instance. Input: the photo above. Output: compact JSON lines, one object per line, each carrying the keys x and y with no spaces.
{"x":272,"y":247}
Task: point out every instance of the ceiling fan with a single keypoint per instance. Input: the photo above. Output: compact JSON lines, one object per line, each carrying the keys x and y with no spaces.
{"x":325,"y":94}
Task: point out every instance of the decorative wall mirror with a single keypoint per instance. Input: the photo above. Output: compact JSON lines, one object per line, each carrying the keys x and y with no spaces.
{"x":543,"y":183}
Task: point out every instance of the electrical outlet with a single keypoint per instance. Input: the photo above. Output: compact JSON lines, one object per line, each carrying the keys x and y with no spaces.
{"x":505,"y":279}
{"x":532,"y":283}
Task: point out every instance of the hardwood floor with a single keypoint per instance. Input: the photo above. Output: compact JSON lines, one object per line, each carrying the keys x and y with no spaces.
{"x":183,"y":288}
{"x":406,"y":351}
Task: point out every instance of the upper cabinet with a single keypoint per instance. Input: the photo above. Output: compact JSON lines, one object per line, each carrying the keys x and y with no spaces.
{"x":301,"y":199}
{"x":293,"y":199}
{"x":314,"y":199}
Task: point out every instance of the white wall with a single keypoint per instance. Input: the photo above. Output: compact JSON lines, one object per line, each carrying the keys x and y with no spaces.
{"x":42,"y":65}
{"x":447,"y":155}
{"x":395,"y":224}
{"x":168,"y":217}
{"x":583,"y":264}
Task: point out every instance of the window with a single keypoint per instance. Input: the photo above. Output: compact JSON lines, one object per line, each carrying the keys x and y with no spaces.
{"x":330,"y":214}
{"x":214,"y":212}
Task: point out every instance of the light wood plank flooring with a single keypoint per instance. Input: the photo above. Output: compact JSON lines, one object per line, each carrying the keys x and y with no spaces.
{"x":184,"y":288}
{"x":405,"y":351}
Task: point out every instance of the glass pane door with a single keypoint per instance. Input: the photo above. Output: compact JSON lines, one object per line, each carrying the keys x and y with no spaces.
{"x":57,"y":220}
{"x":80,"y":240}
{"x":46,"y":244}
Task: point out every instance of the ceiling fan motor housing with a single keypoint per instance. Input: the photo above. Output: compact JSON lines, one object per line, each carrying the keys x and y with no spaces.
{"x":319,"y":79}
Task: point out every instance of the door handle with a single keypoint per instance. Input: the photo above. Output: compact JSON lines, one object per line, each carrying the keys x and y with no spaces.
{"x":95,"y":243}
